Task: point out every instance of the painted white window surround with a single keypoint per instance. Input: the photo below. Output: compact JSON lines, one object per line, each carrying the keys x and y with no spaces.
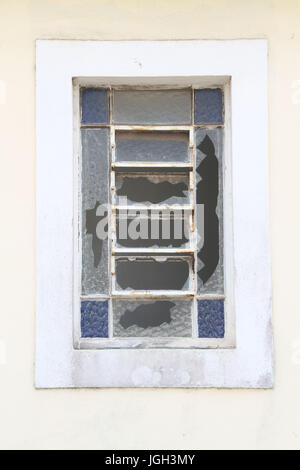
{"x":59,"y":362}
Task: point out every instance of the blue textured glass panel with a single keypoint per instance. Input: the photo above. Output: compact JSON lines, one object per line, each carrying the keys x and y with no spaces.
{"x":211,"y":318}
{"x":94,"y":319}
{"x":95,"y":106}
{"x":208,"y":106}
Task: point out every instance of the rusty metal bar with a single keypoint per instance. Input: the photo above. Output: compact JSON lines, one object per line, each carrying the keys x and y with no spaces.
{"x":170,"y":165}
{"x":153,"y":251}
{"x":156,"y":208}
{"x":149,"y":127}
{"x":156,"y":294}
{"x":152,"y":294}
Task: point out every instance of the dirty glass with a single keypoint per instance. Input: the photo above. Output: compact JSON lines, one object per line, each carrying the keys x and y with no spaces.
{"x":151,"y":146}
{"x":156,"y":107}
{"x":209,"y":185}
{"x":95,"y":197}
{"x":151,"y":177}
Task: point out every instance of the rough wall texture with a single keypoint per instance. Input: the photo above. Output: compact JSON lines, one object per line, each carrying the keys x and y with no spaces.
{"x":144,"y":418}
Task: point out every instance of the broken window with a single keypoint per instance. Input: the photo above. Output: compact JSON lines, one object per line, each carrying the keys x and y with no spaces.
{"x":152,"y":215}
{"x":155,"y":188}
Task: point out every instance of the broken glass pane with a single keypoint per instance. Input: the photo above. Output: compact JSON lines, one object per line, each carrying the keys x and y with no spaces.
{"x":209,"y":180}
{"x":152,"y":229}
{"x":95,"y":197}
{"x":95,"y":106}
{"x":152,"y":318}
{"x":158,"y":107}
{"x":211,"y":321}
{"x":155,"y":188}
{"x":150,"y":146}
{"x":209,"y":106}
{"x":153,"y":273}
{"x":94,"y":319}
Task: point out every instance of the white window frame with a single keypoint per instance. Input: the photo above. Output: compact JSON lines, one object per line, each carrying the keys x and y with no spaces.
{"x":244,"y":357}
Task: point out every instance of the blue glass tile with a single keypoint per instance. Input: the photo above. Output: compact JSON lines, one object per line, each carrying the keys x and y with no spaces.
{"x":94,"y":319}
{"x":209,"y":106}
{"x":211,"y":318}
{"x":95,"y":106}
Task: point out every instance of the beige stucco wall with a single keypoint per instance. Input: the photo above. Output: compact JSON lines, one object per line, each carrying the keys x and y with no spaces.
{"x":144,"y":418}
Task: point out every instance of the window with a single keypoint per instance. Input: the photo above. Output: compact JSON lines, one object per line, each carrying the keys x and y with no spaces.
{"x":145,"y":120}
{"x":152,"y":216}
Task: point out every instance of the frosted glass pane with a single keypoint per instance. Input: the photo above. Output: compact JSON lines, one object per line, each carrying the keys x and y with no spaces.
{"x":160,"y":318}
{"x":152,"y":274}
{"x":209,"y":180}
{"x":95,"y":192}
{"x":156,"y":230}
{"x":152,"y":107}
{"x":146,"y":189}
{"x":152,"y":146}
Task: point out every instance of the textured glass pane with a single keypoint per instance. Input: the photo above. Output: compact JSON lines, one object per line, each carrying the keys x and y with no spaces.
{"x":145,"y":229}
{"x":152,"y":146}
{"x":94,"y":319}
{"x":155,"y":188}
{"x":152,"y":274}
{"x":153,"y":318}
{"x":209,"y":106}
{"x":95,"y":106}
{"x":95,"y":192}
{"x":152,"y":107}
{"x":209,"y":192}
{"x":211,"y":323}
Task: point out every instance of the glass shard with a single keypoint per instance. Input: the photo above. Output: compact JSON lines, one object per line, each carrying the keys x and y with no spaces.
{"x":150,"y":146}
{"x":156,"y":107}
{"x":161,"y":318}
{"x":211,"y":322}
{"x":95,"y":106}
{"x":209,"y":106}
{"x":94,"y":319}
{"x":145,"y":229}
{"x":95,"y":197}
{"x":209,"y":195}
{"x":155,"y":188}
